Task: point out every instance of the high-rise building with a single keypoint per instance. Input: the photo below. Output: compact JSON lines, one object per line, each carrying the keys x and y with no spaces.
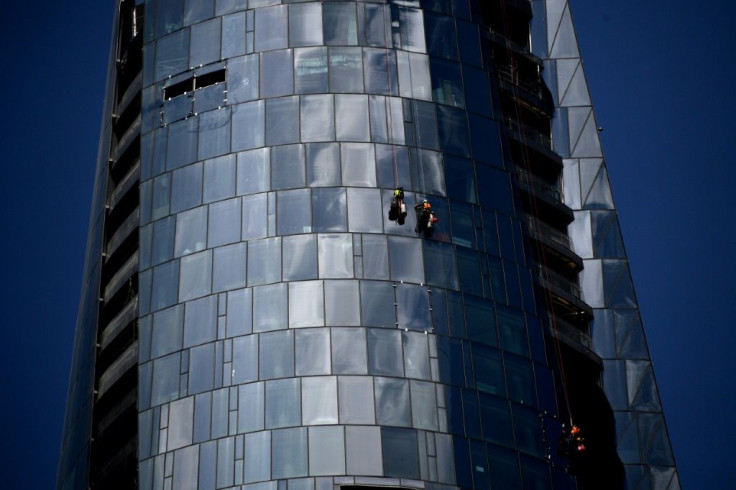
{"x":250,"y":316}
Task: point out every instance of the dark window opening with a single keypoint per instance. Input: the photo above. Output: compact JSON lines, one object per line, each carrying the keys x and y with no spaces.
{"x":193,"y":83}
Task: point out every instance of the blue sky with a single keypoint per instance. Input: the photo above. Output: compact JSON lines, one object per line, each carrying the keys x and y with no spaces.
{"x":660,"y":75}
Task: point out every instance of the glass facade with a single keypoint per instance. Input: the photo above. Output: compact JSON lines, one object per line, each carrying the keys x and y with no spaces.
{"x":251,"y":316}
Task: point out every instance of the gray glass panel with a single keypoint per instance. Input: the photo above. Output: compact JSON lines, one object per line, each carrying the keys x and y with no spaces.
{"x":319,"y":400}
{"x":349,"y":352}
{"x":380,"y":72}
{"x":312,"y":351}
{"x":289,"y":453}
{"x":165,"y":385}
{"x":356,"y":400}
{"x":384,"y":352}
{"x":165,"y":280}
{"x":214,"y":131}
{"x":375,"y":257}
{"x":363,"y":448}
{"x":306,"y":304}
{"x":254,"y":171}
{"x":416,"y":355}
{"x":423,"y":403}
{"x":340,"y":24}
{"x":239,"y":312}
{"x":163,"y":240}
{"x":229,"y":267}
{"x":358,"y":164}
{"x":200,"y":321}
{"x":186,"y":464}
{"x":364,"y":210}
{"x":271,"y":28}
{"x":167,"y":331}
{"x":392,"y":402}
{"x":269,"y":307}
{"x":300,"y":257}
{"x":329,"y":210}
{"x":225,"y":462}
{"x":251,"y":401}
{"x":283,"y":405}
{"x":182,"y":143}
{"x":406,"y":259}
{"x":374,"y":26}
{"x":413,"y":307}
{"x":233,"y":35}
{"x":323,"y":165}
{"x":224,"y":222}
{"x":282,"y":122}
{"x":186,"y":188}
{"x":317,"y":118}
{"x":245,"y":359}
{"x":277,"y":73}
{"x":305,"y":25}
{"x":294,"y":212}
{"x":346,"y":69}
{"x":377,"y":304}
{"x":352,"y":112}
{"x":242,"y":79}
{"x":219,"y":178}
{"x":248,"y":126}
{"x":326,"y":462}
{"x":342,"y":303}
{"x":400,"y":456}
{"x":254,"y":219}
{"x":201,"y":368}
{"x":335,"y":255}
{"x":310,"y":65}
{"x":264,"y":260}
{"x":411,"y":29}
{"x":205,"y":46}
{"x":161,"y":196}
{"x":257,"y":457}
{"x":195,"y":276}
{"x":277,"y":355}
{"x":172,"y":54}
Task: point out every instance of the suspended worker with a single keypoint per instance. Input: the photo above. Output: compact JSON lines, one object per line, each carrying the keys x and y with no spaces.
{"x":397,"y":211}
{"x":571,"y":442}
{"x":425,"y":218}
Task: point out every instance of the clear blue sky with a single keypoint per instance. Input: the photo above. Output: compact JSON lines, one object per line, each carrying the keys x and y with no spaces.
{"x":660,"y":75}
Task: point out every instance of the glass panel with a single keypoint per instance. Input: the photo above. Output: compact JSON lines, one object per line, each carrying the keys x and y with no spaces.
{"x":423,"y":403}
{"x":271,"y":28}
{"x":380,"y":72}
{"x":233,"y":35}
{"x":319,"y":400}
{"x":312,"y":351}
{"x":269,"y":307}
{"x":356,"y":400}
{"x":214,"y":131}
{"x":248,"y":127}
{"x":167,"y":331}
{"x":406,"y":259}
{"x":481,"y":323}
{"x":172,"y":54}
{"x":229,"y":267}
{"x":352,"y":112}
{"x":186,"y":188}
{"x":201,"y":369}
{"x":358,"y":165}
{"x":289,"y":453}
{"x":245,"y":360}
{"x":282,"y":121}
{"x":332,"y":461}
{"x":195,"y":276}
{"x":392,"y":402}
{"x":453,"y":129}
{"x":255,"y":226}
{"x":219,"y":178}
{"x":200,"y":321}
{"x":384,"y":352}
{"x":254,"y":171}
{"x":363,"y":447}
{"x":277,"y":73}
{"x":349,"y":351}
{"x":377,"y":304}
{"x":277,"y":355}
{"x":165,"y":281}
{"x":330,"y":213}
{"x":257,"y":457}
{"x":224,"y":222}
{"x":496,"y":420}
{"x":300,"y":257}
{"x":242,"y":79}
{"x":283,"y":406}
{"x":416,"y":355}
{"x":520,"y":380}
{"x":165,"y":386}
{"x":340,"y":24}
{"x":294,"y":212}
{"x":364,"y":210}
{"x":323,"y":165}
{"x":311,"y":70}
{"x":305,"y":25}
{"x":488,"y":370}
{"x":264,"y":260}
{"x":400,"y":457}
{"x":346,"y":68}
{"x":335,"y":255}
{"x":317,"y":118}
{"x":342,"y":303}
{"x":306,"y":300}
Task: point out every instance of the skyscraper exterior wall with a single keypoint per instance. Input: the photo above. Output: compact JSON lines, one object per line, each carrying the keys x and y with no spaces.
{"x":252,"y":318}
